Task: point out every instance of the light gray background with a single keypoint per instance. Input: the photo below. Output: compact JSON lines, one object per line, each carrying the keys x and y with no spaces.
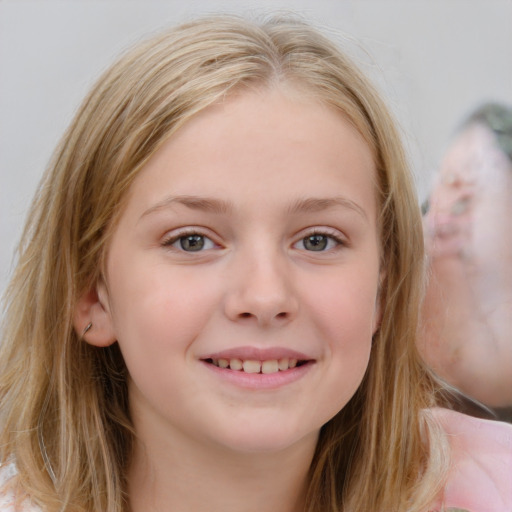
{"x":432,"y":59}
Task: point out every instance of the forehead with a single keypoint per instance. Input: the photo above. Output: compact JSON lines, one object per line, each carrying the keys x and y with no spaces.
{"x":275,"y":143}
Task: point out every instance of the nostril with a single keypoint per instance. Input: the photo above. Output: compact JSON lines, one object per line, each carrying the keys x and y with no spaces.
{"x":282,"y":315}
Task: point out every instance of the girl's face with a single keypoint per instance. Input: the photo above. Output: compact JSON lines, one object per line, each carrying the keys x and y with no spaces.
{"x":242,"y":278}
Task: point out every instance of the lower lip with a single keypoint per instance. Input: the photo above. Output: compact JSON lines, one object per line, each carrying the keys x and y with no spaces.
{"x":260,"y":380}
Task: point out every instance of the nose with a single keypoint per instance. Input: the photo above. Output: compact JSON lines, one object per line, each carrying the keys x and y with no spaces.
{"x":261,"y":291}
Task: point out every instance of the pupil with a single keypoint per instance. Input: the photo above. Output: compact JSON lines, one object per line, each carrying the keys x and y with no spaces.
{"x":192,"y":242}
{"x":315,"y":242}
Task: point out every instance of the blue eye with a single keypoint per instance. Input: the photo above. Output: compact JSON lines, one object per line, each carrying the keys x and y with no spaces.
{"x":193,"y":242}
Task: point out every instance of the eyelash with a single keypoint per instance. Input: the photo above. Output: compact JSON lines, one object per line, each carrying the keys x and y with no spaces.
{"x":330,"y":235}
{"x":170,"y":241}
{"x":175,"y":238}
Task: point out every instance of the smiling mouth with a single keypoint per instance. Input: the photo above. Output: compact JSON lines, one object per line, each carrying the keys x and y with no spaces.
{"x":254,"y":366}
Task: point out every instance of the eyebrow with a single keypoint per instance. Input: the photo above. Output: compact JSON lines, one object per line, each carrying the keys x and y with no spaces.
{"x":219,"y":206}
{"x":205,"y":204}
{"x":313,"y":204}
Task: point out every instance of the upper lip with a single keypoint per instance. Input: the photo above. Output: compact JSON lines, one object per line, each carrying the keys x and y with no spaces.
{"x":258,"y":354}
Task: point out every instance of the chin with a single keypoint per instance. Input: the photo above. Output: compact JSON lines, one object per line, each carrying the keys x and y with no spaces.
{"x":256,"y":439}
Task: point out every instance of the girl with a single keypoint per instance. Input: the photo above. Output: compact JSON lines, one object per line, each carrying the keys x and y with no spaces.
{"x":217,"y":294}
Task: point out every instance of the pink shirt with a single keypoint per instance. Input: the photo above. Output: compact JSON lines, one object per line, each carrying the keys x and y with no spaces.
{"x":480,"y":477}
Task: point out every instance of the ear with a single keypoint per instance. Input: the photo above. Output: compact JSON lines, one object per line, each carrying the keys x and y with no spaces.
{"x":92,"y":319}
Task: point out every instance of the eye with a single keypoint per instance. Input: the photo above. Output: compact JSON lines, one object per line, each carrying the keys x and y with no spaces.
{"x":319,"y":242}
{"x":190,"y":242}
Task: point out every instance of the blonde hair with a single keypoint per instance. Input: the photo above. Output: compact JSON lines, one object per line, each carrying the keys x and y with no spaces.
{"x":64,"y":405}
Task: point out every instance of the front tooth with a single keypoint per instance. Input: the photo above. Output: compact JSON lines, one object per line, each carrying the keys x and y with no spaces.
{"x":292,"y":363}
{"x":252,"y":366}
{"x":223,"y":363}
{"x":270,"y":366}
{"x":283,"y":364}
{"x":235,"y":364}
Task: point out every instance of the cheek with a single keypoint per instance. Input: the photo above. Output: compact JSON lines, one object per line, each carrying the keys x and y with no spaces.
{"x":158,"y":314}
{"x":161,"y":307}
{"x":345,"y":313}
{"x":344,"y":320}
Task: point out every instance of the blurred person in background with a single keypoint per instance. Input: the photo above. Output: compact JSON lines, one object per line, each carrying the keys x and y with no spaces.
{"x":467,"y":316}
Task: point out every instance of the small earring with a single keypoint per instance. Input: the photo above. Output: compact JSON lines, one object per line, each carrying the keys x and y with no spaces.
{"x":87,"y":328}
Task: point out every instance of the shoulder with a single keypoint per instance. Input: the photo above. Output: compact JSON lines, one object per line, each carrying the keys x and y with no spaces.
{"x":480,"y":475}
{"x":8,"y":498}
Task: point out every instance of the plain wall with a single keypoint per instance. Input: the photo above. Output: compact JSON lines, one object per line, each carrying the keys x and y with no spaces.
{"x":432,"y":59}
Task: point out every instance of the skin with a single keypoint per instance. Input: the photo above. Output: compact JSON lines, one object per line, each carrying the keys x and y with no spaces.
{"x":468,"y":308}
{"x":266,"y":169}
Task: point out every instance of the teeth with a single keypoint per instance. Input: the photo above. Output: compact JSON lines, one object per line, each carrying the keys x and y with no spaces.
{"x":283,"y":364}
{"x":235,"y":364}
{"x":253,"y":366}
{"x":270,"y":366}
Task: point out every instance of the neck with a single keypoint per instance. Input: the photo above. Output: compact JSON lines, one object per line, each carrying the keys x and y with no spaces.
{"x":180,"y":475}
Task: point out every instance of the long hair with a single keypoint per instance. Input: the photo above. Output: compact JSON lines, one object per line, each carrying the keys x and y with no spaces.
{"x":64,"y":407}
